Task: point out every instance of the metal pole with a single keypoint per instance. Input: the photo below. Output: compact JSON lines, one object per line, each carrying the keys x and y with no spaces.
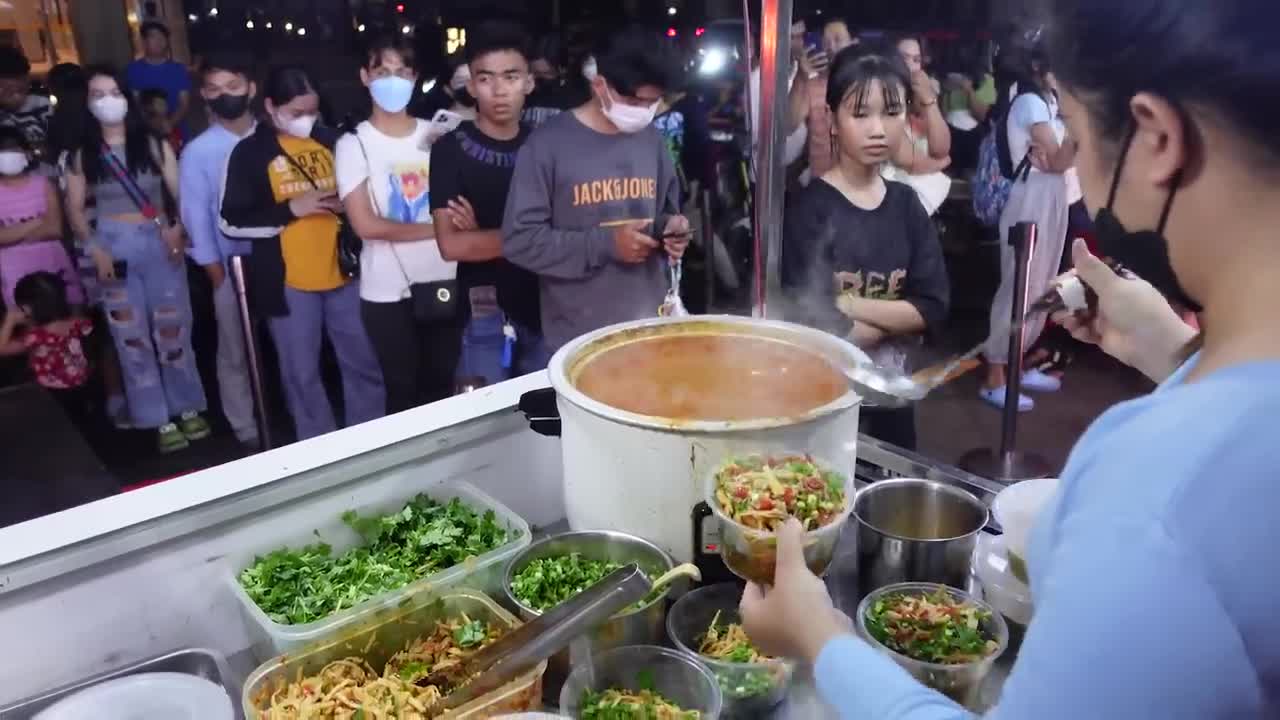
{"x":775,"y":53}
{"x":708,"y":247}
{"x":252,"y":355}
{"x":1007,"y":463}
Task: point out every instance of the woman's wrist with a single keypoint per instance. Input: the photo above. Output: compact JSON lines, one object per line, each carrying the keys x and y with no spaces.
{"x":1168,"y":351}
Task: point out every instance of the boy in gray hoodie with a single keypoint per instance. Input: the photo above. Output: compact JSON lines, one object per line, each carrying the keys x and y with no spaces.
{"x":588,"y":188}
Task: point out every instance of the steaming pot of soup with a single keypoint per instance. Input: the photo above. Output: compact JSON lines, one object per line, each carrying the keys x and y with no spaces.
{"x":649,"y":408}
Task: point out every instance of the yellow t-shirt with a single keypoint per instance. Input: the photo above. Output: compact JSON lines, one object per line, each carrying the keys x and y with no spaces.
{"x":309,"y":244}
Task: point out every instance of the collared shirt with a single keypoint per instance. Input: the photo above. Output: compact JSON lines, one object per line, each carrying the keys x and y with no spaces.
{"x":202,"y":167}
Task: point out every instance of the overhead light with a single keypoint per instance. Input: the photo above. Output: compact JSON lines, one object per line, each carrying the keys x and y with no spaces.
{"x":248,"y":24}
{"x":132,"y":18}
{"x":672,"y":10}
{"x":400,"y":7}
{"x":713,"y":62}
{"x":302,"y":31}
{"x":360,"y":27}
{"x":428,"y":86}
{"x":406,"y":29}
{"x":671,"y":32}
{"x":53,"y":100}
{"x":213,"y":12}
{"x":268,"y":24}
{"x":288,"y":27}
{"x":191,"y":17}
{"x":700,"y":32}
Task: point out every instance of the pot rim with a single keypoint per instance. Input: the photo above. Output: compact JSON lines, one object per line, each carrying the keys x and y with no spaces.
{"x":841,"y":353}
{"x":525,"y":552}
{"x":962,"y":494}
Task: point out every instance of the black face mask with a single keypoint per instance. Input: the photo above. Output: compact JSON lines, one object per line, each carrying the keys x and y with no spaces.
{"x":229,"y":107}
{"x":1146,"y":252}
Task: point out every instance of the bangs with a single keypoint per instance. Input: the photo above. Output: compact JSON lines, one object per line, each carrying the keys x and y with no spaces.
{"x":854,"y":77}
{"x":892,"y":93}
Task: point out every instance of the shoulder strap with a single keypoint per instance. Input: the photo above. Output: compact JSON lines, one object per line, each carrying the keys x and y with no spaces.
{"x":373,"y":200}
{"x":122,"y":176}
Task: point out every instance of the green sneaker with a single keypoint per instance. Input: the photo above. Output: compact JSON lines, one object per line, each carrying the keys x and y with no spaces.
{"x":193,"y":426}
{"x":170,"y":439}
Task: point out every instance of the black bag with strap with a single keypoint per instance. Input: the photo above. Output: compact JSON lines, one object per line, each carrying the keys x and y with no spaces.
{"x":349,"y":243}
{"x":433,"y":302}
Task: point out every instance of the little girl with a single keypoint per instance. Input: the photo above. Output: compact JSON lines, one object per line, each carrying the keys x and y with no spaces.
{"x":30,"y":222}
{"x":53,"y":341}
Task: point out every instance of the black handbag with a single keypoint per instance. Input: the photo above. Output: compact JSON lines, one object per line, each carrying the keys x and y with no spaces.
{"x":432,"y":302}
{"x":349,"y":243}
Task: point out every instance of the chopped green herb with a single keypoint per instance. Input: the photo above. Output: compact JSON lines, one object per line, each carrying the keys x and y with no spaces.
{"x":627,"y":705}
{"x":471,"y":634}
{"x":299,"y":586}
{"x":546,"y":582}
{"x":411,"y":670}
{"x":932,"y":628}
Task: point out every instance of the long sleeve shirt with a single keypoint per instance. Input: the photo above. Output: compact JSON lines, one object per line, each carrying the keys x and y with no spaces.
{"x":201,"y":172}
{"x":1153,"y":573}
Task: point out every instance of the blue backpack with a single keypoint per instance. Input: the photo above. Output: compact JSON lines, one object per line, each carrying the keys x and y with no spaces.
{"x":996,"y":174}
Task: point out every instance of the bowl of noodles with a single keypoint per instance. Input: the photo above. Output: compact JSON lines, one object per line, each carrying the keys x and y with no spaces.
{"x":705,"y":624}
{"x":641,"y":681}
{"x":753,"y":496}
{"x":393,"y":665}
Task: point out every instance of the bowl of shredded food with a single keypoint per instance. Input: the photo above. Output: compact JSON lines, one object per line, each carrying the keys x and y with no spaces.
{"x":754,"y":495}
{"x":395,"y":667}
{"x":641,"y":682}
{"x":705,"y":623}
{"x":944,"y":637}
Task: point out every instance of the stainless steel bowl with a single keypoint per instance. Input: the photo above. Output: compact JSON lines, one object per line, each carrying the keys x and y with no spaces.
{"x":637,"y":626}
{"x":915,"y":531}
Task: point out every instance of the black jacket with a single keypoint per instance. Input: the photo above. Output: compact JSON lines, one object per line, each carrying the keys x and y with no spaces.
{"x":250,"y":212}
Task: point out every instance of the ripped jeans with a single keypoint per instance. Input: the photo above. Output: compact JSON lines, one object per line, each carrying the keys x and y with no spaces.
{"x":149,"y":313}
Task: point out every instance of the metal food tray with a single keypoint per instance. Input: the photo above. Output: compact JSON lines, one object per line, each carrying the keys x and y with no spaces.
{"x":205,"y":664}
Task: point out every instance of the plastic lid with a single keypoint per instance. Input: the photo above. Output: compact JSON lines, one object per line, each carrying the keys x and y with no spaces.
{"x":148,"y":696}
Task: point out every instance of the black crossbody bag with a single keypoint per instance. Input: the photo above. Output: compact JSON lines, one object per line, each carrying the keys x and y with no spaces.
{"x":349,"y":243}
{"x":433,"y":302}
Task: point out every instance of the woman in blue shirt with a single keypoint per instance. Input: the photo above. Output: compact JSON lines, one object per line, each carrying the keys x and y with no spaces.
{"x":1153,"y":570}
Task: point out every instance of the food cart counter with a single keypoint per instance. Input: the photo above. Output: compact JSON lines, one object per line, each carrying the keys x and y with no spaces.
{"x":137,"y":575}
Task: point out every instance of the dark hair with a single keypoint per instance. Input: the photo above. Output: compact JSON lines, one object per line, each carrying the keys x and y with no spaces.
{"x":138,"y":140}
{"x":398,"y":44}
{"x":12,"y":139}
{"x":151,"y":26}
{"x":150,"y":95}
{"x":497,"y":36}
{"x":236,"y":63}
{"x":854,"y":69}
{"x":69,"y":83}
{"x":66,"y":77}
{"x":1220,"y":56}
{"x":45,"y":294}
{"x":286,"y":82}
{"x":13,"y":64}
{"x":547,"y":48}
{"x":634,"y":57}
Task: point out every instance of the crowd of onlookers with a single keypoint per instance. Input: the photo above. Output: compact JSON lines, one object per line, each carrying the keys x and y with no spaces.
{"x":427,"y":246}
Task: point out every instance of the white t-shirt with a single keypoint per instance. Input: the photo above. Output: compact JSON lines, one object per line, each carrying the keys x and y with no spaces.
{"x":1027,"y":111}
{"x":398,"y":170}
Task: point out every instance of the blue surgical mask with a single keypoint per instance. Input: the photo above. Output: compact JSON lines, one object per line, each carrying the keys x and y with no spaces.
{"x":391,"y":93}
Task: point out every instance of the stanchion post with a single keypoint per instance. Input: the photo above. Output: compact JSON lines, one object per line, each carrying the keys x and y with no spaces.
{"x":252,"y":356}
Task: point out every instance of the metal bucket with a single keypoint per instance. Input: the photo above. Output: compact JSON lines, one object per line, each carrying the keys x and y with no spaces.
{"x":915,"y":531}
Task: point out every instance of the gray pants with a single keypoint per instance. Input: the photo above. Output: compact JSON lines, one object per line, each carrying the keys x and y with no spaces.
{"x":1042,"y":200}
{"x":234,"y":386}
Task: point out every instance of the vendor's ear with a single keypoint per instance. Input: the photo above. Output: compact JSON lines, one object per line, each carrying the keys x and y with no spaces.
{"x":528,"y":83}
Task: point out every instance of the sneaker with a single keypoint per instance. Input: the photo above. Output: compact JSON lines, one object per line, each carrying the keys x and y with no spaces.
{"x":995,"y":398}
{"x":1038,"y":381}
{"x":193,"y":426}
{"x":170,"y":439}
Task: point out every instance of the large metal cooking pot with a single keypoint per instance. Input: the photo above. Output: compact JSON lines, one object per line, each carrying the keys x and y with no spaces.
{"x":641,"y":474}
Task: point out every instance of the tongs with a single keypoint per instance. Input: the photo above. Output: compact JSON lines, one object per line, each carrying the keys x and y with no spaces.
{"x":530,"y":644}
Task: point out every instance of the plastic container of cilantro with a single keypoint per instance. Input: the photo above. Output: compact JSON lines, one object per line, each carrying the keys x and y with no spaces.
{"x":380,"y":633}
{"x":483,"y":573}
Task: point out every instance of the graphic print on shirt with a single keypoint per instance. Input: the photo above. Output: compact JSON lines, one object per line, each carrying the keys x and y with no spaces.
{"x":409,"y":193}
{"x":870,"y":285}
{"x":597,"y":192}
{"x":287,"y":183}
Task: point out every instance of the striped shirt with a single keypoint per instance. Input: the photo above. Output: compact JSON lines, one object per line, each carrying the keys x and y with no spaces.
{"x":32,"y":120}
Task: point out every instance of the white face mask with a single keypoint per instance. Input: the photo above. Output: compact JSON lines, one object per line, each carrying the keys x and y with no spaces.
{"x":628,"y":118}
{"x":109,"y":110}
{"x":12,"y":162}
{"x":589,"y":69}
{"x":299,"y":127}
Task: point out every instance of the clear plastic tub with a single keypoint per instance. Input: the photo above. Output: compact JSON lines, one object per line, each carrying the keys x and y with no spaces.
{"x":753,"y":554}
{"x":961,"y":682}
{"x":483,"y":573}
{"x":380,"y":635}
{"x":750,"y":689}
{"x":1018,"y":508}
{"x":677,"y":677}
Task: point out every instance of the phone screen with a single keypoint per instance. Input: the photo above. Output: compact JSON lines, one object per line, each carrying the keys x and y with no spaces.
{"x":813,"y":40}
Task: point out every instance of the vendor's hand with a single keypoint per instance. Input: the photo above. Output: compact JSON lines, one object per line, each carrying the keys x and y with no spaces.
{"x":463,"y":215}
{"x":175,"y":240}
{"x":795,"y":618}
{"x":630,"y":245}
{"x":1134,"y":322}
{"x":105,"y":264}
{"x":217,"y":273}
{"x":316,"y":202}
{"x":678,"y":227}
{"x":922,"y":89}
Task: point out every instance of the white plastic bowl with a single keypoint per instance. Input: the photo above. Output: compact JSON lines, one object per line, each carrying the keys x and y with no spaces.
{"x":1017,"y":508}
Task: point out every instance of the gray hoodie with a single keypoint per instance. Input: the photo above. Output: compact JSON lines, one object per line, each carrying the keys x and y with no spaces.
{"x":571,"y":186}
